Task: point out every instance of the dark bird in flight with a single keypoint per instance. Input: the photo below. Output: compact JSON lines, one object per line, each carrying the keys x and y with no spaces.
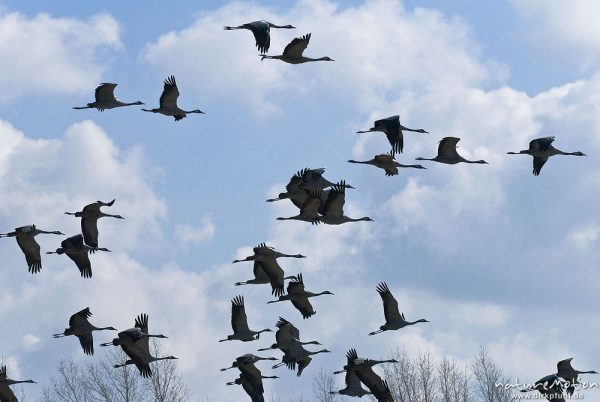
{"x":363,"y":368}
{"x":287,"y":336}
{"x":6,"y":394}
{"x":168,"y":101}
{"x":309,"y":210}
{"x":299,"y":296}
{"x":447,"y":153}
{"x":263,"y":252}
{"x":551,"y":386}
{"x":392,"y":128}
{"x":251,"y":380}
{"x":247,"y":359}
{"x":393,"y":319}
{"x":387,"y":163}
{"x":26,"y":240}
{"x":265,"y":260}
{"x":569,"y":374}
{"x":105,"y":99}
{"x":134,"y":334}
{"x":89,"y":220}
{"x":332,"y":208}
{"x":541,"y":149}
{"x":293,"y":52}
{"x":302,"y":183}
{"x":239,"y":323}
{"x":261,"y":31}
{"x":353,"y":384}
{"x":77,"y":251}
{"x":138,"y":348}
{"x":82,"y":329}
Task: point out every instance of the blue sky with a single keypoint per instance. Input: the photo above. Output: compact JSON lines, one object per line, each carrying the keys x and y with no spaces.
{"x":490,"y":254}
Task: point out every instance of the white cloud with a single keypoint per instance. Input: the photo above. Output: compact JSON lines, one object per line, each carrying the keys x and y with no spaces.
{"x":585,"y":237}
{"x":44,"y":53}
{"x":571,"y":24}
{"x":30,"y":341}
{"x":188,"y":234}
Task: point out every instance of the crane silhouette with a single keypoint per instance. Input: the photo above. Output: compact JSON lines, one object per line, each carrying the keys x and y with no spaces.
{"x":287,"y":336}
{"x":332,"y":209}
{"x":168,"y":102}
{"x":138,"y":348}
{"x":82,"y":329}
{"x":299,"y":296}
{"x":89,"y":220}
{"x":247,"y":359}
{"x":251,"y":380}
{"x":393,"y":319}
{"x":239,"y":323}
{"x":25,"y":236}
{"x":6,"y":394}
{"x":392,"y":129}
{"x":78,"y":252}
{"x":105,"y":99}
{"x":293,"y":52}
{"x":261,"y":31}
{"x":266,"y":258}
{"x":363,"y":369}
{"x":541,"y":149}
{"x":569,"y":374}
{"x":447,"y":153}
{"x":387,"y":163}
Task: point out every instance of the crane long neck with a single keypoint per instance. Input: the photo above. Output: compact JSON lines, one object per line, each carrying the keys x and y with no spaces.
{"x":425,"y":159}
{"x":411,"y":129}
{"x":154,"y":359}
{"x":363,"y":162}
{"x":309,"y":59}
{"x":21,"y":381}
{"x":102,"y":329}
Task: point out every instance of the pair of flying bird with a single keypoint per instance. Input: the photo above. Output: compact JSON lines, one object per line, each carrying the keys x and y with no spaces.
{"x":287,"y":339}
{"x":133,"y":341}
{"x":250,"y":377}
{"x":360,"y":370}
{"x":105,"y":99}
{"x":293,"y":52}
{"x":75,"y":247}
{"x":307,"y":191}
{"x":267,"y":270}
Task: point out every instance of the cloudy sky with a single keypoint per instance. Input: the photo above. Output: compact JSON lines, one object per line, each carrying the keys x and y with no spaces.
{"x":490,"y":254}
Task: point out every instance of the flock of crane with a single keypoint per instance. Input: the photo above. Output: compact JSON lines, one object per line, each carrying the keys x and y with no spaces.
{"x":319,"y":201}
